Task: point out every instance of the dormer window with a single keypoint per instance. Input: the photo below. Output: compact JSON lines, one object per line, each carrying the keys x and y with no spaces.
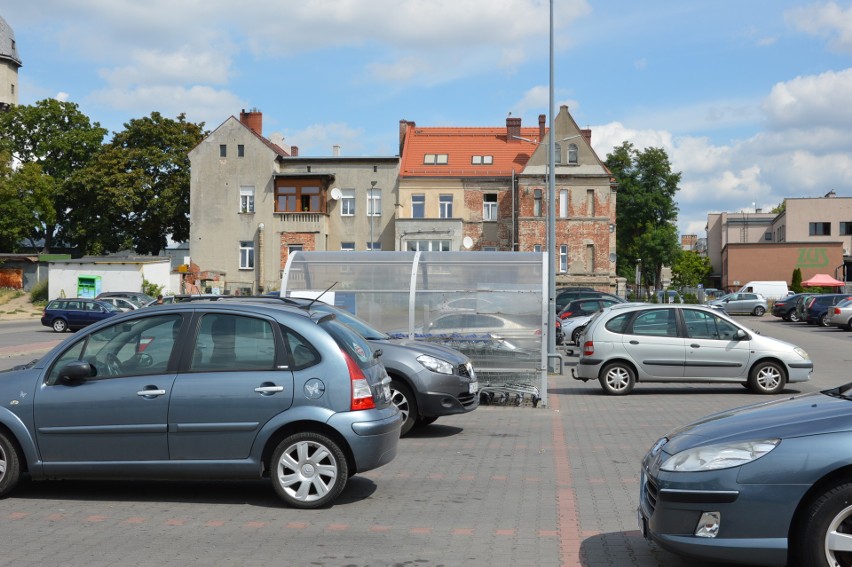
{"x":482,"y":160}
{"x":572,"y":154}
{"x":435,"y":159}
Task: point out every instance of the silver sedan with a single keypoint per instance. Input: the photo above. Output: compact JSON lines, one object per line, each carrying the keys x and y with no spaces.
{"x":841,"y":315}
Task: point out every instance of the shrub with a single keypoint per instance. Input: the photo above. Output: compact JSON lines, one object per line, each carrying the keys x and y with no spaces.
{"x":151,"y":289}
{"x":39,"y":291}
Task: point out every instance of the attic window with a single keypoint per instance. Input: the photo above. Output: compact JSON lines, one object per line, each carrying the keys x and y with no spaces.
{"x":482,"y":160}
{"x":435,"y":159}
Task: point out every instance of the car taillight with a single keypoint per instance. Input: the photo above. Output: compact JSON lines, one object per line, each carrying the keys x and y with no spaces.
{"x":565,"y":315}
{"x":588,"y":348}
{"x":362,"y":394}
{"x":837,"y":310}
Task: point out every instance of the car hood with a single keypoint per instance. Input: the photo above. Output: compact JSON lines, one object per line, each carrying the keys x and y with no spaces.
{"x":809,"y":414}
{"x":422,"y":347}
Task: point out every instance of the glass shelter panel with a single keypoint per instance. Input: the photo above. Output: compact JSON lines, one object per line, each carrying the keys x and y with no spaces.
{"x":491,"y":306}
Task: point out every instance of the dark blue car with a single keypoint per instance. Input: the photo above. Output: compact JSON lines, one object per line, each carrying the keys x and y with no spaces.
{"x":816,"y":311}
{"x":64,"y":314}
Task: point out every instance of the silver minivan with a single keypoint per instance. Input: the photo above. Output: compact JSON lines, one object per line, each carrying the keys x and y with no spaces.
{"x":629,"y":343}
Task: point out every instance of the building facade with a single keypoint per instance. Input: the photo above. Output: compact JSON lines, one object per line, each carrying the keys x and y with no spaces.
{"x":10,"y":62}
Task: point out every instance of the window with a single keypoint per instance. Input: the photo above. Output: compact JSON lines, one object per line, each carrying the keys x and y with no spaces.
{"x":537,"y":203}
{"x":223,"y":150}
{"x":482,"y":160}
{"x":445,"y":203}
{"x":233,"y":342}
{"x":435,"y":159}
{"x":294,"y":248}
{"x":241,"y":150}
{"x":428,"y":245}
{"x":563,"y":203}
{"x":767,"y":236}
{"x":572,"y":154}
{"x":537,"y":248}
{"x":246,"y":255}
{"x":347,"y":246}
{"x":701,"y":325}
{"x":298,"y":199}
{"x":557,"y":152}
{"x":374,"y":203}
{"x":590,"y":258}
{"x":347,"y":203}
{"x":563,"y":258}
{"x":590,"y":202}
{"x":819,"y":229}
{"x":656,"y":323}
{"x":489,"y":207}
{"x":374,"y":246}
{"x":418,"y":206}
{"x":489,"y":249}
{"x":845,"y":228}
{"x":246,"y":199}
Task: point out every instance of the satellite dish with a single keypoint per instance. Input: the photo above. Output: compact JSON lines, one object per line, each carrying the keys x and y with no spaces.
{"x":336,"y":193}
{"x":467,"y":242}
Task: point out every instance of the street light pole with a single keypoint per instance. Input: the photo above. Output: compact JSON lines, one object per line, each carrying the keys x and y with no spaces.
{"x":372,"y":213}
{"x":551,"y":218}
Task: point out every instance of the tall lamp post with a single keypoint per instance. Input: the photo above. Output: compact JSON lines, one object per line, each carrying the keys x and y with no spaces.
{"x":372,"y":212}
{"x":551,"y":218}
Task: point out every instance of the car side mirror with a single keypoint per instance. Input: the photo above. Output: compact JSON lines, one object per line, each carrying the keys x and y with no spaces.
{"x":76,"y":372}
{"x":377,"y":353}
{"x":740,"y":335}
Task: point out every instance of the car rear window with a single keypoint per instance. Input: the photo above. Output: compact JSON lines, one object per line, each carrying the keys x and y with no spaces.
{"x":618,"y":324}
{"x":350,"y":342}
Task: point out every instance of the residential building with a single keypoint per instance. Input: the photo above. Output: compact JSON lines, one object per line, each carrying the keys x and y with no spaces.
{"x":813,"y":234}
{"x":10,"y":62}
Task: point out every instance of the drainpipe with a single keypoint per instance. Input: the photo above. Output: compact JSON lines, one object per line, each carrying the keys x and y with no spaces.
{"x":260,"y":275}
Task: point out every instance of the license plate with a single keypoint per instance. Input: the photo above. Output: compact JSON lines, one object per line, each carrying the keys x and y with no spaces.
{"x":473,"y":387}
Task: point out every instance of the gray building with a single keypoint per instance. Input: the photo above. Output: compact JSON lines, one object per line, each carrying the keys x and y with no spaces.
{"x":10,"y":62}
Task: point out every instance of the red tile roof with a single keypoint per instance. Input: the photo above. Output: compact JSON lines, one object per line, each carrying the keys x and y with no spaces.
{"x":460,"y":145}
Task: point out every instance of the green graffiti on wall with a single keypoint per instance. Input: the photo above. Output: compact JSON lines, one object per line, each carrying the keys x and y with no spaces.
{"x":812,"y":258}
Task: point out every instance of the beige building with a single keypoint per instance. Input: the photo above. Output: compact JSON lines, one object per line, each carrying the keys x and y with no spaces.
{"x":813,"y":234}
{"x":10,"y":62}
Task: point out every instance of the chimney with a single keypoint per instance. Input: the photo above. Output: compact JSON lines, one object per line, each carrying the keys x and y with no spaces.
{"x":335,"y":150}
{"x":253,"y":120}
{"x":403,"y":128}
{"x":513,"y":129}
{"x":587,"y":135}
{"x":294,"y":151}
{"x":542,"y":128}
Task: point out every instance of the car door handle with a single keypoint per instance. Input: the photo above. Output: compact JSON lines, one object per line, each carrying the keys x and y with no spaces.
{"x":693,"y":345}
{"x":634,"y":342}
{"x":269,"y":389}
{"x":150,"y":393}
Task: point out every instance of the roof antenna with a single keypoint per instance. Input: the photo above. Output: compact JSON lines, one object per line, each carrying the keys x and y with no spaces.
{"x":314,"y":300}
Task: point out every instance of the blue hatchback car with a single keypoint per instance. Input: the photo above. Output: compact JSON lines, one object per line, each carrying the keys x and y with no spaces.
{"x":73,"y":314}
{"x":767,"y":484}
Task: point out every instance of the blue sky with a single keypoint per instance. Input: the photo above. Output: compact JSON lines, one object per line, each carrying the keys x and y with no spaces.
{"x":751,"y":99}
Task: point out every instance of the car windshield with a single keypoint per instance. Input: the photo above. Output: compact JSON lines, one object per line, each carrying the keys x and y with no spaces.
{"x":358,"y":325}
{"x":844,"y":392}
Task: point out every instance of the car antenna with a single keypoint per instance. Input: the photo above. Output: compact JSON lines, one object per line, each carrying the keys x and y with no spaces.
{"x":314,"y":300}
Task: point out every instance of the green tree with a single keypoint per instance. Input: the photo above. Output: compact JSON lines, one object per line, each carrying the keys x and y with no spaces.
{"x":780,"y":208}
{"x":25,"y":202}
{"x":646,"y":210}
{"x":61,"y":140}
{"x":796,"y":281}
{"x":690,"y":269}
{"x":138,"y":186}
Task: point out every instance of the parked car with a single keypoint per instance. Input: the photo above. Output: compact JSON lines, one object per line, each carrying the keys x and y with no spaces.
{"x":785,"y":308}
{"x":122,"y":303}
{"x":841,"y":315}
{"x":668,"y":296}
{"x":747,"y":303}
{"x":182,"y":298}
{"x":629,"y":343}
{"x":801,"y":303}
{"x":766,"y":484}
{"x":565,"y":295}
{"x":204,"y":389}
{"x":587,"y":306}
{"x":72,"y":314}
{"x":427,"y":380}
{"x":135,"y":296}
{"x":515,"y":333}
{"x":573,"y":327}
{"x":816,"y":310}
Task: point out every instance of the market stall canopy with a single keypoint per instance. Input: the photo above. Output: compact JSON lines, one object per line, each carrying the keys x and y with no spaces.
{"x":822,"y":280}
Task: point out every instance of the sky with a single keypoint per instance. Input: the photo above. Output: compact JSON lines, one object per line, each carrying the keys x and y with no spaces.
{"x":751,"y":100}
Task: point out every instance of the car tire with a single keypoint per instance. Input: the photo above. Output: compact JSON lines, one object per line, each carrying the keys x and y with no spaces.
{"x":823,"y":320}
{"x":426,"y":420}
{"x":829,"y":514}
{"x":617,"y":379}
{"x":794,"y":317}
{"x":308,"y":470}
{"x":758,"y":311}
{"x":403,"y":399}
{"x":767,"y":377}
{"x":575,"y":335}
{"x":59,"y":325}
{"x":10,"y":465}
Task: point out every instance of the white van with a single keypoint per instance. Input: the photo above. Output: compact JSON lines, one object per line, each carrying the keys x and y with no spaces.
{"x":768,"y":289}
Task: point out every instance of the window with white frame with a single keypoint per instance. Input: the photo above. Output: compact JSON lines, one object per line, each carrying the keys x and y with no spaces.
{"x":557,"y":152}
{"x":428,"y":245}
{"x":246,"y":255}
{"x":445,"y":203}
{"x":563,"y":258}
{"x":489,"y":207}
{"x":246,"y":199}
{"x":418,"y":206}
{"x":572,"y":154}
{"x":537,"y":248}
{"x":374,"y":246}
{"x":374,"y":203}
{"x":481,"y":160}
{"x":347,"y":246}
{"x":347,"y":203}
{"x":537,"y":202}
{"x":563,"y":203}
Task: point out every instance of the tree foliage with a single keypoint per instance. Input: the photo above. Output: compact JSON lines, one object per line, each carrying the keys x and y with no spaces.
{"x":779,"y":208}
{"x":60,"y":140}
{"x":690,"y":269}
{"x":646,"y":210}
{"x":796,"y":281}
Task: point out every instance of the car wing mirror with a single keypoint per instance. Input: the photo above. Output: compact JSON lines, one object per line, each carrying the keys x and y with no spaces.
{"x":377,"y":353}
{"x":76,"y":372}
{"x":740,"y":335}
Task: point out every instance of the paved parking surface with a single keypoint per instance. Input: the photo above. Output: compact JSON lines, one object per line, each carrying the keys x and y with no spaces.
{"x":499,"y":486}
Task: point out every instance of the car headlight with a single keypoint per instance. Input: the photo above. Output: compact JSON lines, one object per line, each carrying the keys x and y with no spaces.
{"x":722,"y":456}
{"x":435,"y":364}
{"x":801,"y":352}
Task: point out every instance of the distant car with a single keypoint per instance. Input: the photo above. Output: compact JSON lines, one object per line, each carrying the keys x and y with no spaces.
{"x":71,"y":314}
{"x":513,"y":333}
{"x":816,"y":309}
{"x":766,"y":484}
{"x":746,"y":303}
{"x":668,"y":296}
{"x":181,"y":298}
{"x":587,"y":306}
{"x":573,"y":327}
{"x":210,"y":390}
{"x":786,"y":307}
{"x":135,"y":296}
{"x":629,"y":343}
{"x":568,"y":294}
{"x":123,"y":303}
{"x":841,"y":315}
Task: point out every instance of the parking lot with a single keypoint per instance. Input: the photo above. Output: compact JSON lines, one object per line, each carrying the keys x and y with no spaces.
{"x":498,"y":486}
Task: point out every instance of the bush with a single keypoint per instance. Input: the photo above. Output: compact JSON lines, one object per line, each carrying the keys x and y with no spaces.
{"x":690,"y":298}
{"x":151,"y":289}
{"x":39,"y":291}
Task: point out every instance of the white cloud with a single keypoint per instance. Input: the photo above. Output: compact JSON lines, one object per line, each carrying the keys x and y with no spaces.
{"x":828,"y":21}
{"x":318,"y":139}
{"x":812,"y":101}
{"x":184,"y":66}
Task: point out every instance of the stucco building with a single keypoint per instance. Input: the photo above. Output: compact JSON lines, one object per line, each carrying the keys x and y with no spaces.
{"x":10,"y":62}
